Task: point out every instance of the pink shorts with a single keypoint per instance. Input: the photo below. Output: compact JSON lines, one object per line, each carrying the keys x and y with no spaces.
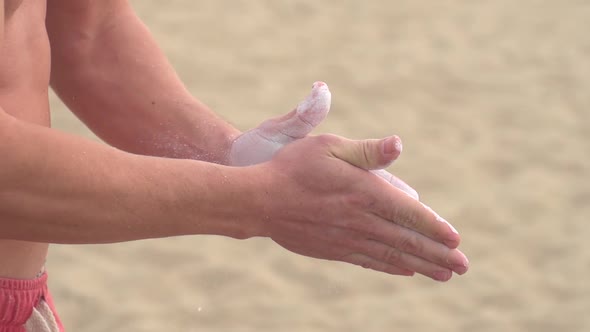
{"x":26,"y":305}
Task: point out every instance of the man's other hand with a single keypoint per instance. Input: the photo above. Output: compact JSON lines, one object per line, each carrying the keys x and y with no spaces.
{"x":323,"y":202}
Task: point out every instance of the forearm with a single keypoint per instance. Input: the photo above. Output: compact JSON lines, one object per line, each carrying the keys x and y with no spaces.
{"x":116,"y":79}
{"x":60,"y":188}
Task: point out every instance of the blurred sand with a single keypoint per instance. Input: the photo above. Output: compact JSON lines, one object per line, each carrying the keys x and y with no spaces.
{"x":492,"y":100}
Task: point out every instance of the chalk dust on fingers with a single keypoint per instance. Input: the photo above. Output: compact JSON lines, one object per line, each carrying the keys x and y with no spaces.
{"x":303,"y":119}
{"x":315,"y":107}
{"x":261,"y":143}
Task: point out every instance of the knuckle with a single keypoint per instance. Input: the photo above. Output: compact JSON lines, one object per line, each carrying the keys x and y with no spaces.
{"x":410,"y":244}
{"x":392,"y":255}
{"x":372,"y":229}
{"x":366,"y":265}
{"x":367,"y":152}
{"x":407,"y":217}
{"x":360,"y":201}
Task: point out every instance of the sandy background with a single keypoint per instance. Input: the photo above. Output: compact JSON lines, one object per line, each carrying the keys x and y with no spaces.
{"x":492,"y":100}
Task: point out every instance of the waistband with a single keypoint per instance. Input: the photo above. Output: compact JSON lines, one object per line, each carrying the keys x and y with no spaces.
{"x":19,"y":297}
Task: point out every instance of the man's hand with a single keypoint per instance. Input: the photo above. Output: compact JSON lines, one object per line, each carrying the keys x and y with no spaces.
{"x":261,"y":143}
{"x":325,"y":204}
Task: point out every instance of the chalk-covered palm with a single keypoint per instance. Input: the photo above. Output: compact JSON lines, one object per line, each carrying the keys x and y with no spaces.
{"x":261,"y":143}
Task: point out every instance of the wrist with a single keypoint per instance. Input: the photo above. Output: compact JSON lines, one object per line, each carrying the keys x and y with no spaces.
{"x":227,"y":201}
{"x":230,"y":135}
{"x":213,"y":138}
{"x":252,"y":201}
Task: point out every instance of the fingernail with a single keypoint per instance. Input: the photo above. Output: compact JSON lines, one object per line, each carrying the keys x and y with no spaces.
{"x":392,"y":145}
{"x":441,"y":275}
{"x":451,"y":243}
{"x":459,"y":269}
{"x":410,"y":273}
{"x":439,"y":218}
{"x":458,"y":258}
{"x":398,"y":145}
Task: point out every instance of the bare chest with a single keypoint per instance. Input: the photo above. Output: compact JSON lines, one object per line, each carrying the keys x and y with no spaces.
{"x":25,"y":61}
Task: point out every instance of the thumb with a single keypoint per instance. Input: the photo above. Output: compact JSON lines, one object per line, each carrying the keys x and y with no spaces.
{"x":261,"y":143}
{"x":368,"y":154}
{"x":302,"y":120}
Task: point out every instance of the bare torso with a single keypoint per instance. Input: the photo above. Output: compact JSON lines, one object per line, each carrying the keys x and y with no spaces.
{"x":24,"y":80}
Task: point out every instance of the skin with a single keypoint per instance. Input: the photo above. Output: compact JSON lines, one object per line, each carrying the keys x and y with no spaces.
{"x":166,"y":170}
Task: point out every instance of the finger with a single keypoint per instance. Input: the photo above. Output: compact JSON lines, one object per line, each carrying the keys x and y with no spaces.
{"x":390,"y":204}
{"x":302,"y":120}
{"x":407,"y":241}
{"x":405,"y":211}
{"x":396,"y":182}
{"x":413,"y":243}
{"x":368,"y":154}
{"x":393,"y":256}
{"x":373,"y":264}
{"x":261,"y":143}
{"x":439,"y":218}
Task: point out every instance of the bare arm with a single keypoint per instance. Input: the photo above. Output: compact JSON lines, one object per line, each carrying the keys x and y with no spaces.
{"x":109,"y":71}
{"x":60,"y":188}
{"x":55,"y":187}
{"x":1,"y":22}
